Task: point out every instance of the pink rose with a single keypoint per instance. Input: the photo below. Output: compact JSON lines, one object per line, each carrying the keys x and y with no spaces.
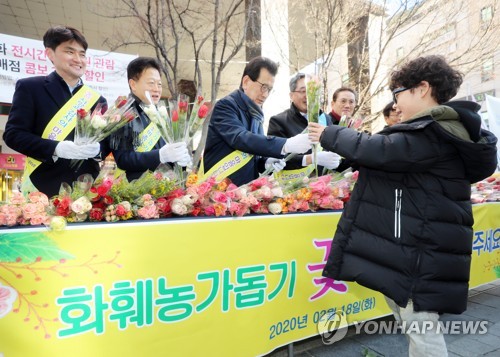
{"x":220,"y":197}
{"x":203,"y":188}
{"x":38,"y":197}
{"x":38,"y":219}
{"x":17,"y":198}
{"x":29,"y":210}
{"x":148,"y":212}
{"x":210,"y":211}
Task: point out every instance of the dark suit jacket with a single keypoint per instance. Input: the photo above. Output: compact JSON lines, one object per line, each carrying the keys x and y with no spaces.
{"x":123,"y":145}
{"x":230,"y":130}
{"x":36,"y":100}
{"x":287,"y":124}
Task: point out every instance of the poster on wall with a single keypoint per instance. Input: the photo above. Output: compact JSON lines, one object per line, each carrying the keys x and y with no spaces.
{"x":23,"y":57}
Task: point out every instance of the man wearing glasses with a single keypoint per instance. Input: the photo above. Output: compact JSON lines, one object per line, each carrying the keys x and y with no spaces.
{"x":236,"y":145}
{"x":293,"y":121}
{"x":343,"y":103}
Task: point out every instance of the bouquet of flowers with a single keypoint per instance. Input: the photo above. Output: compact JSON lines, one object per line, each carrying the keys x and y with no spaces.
{"x":25,"y":211}
{"x":177,"y":122}
{"x":487,"y":190}
{"x":313,"y":92}
{"x":354,"y":123}
{"x":255,"y":196}
{"x":94,"y":127}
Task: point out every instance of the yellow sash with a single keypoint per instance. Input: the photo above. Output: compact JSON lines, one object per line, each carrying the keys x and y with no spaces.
{"x":59,"y":127}
{"x":226,"y":166}
{"x":292,"y":176}
{"x":148,"y":138}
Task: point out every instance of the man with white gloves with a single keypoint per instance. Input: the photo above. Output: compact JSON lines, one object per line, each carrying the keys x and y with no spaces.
{"x":42,"y":118}
{"x":69,"y":150}
{"x":236,"y":145}
{"x":293,"y":121}
{"x":132,"y":147}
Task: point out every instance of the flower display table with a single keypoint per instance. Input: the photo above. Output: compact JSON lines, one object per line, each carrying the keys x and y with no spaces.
{"x":188,"y":286}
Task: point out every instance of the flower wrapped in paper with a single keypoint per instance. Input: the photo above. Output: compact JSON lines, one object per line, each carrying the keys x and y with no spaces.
{"x":96,"y":126}
{"x":25,"y":211}
{"x":313,"y":92}
{"x":177,"y":122}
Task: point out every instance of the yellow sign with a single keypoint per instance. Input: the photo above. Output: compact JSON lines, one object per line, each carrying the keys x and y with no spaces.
{"x":228,"y":165}
{"x":184,"y":287}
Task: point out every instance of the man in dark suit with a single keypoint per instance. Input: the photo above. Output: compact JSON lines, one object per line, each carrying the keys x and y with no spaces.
{"x":293,"y":121}
{"x":43,"y":115}
{"x":133,"y":152}
{"x":236,"y":145}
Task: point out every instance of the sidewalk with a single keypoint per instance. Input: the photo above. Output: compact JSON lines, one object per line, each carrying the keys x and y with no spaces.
{"x":483,"y":305}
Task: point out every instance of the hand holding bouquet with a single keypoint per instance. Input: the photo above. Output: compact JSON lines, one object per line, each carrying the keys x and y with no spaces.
{"x":313,"y":92}
{"x":177,"y":123}
{"x":93,"y":128}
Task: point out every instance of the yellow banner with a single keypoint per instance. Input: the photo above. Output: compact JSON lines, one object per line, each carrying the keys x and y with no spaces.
{"x":226,"y":166}
{"x":148,"y":138}
{"x":485,"y":244}
{"x":159,"y":288}
{"x":290,"y":176}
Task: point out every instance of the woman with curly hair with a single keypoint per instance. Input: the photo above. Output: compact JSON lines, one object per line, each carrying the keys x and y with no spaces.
{"x":407,"y":230}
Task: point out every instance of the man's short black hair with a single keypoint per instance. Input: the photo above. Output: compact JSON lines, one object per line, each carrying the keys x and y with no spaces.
{"x":442,"y":78}
{"x":344,"y":89}
{"x":139,"y":65}
{"x":252,"y":69}
{"x":388,"y":109}
{"x":56,"y":35}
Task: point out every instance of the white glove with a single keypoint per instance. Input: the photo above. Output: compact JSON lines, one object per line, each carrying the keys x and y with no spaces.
{"x":187,"y":161}
{"x":69,"y":150}
{"x":176,"y":152}
{"x":328,"y":159}
{"x":297,"y":144}
{"x":276,"y":164}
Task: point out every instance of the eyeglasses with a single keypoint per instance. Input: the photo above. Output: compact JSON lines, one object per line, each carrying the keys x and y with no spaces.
{"x":264,"y":88}
{"x":395,"y":93}
{"x":301,"y":92}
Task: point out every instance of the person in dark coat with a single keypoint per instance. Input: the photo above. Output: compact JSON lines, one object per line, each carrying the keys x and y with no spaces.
{"x":344,"y":101}
{"x":293,"y":121}
{"x":39,"y":127}
{"x":407,"y":229}
{"x":391,"y":115}
{"x":236,"y":146}
{"x":132,"y":154}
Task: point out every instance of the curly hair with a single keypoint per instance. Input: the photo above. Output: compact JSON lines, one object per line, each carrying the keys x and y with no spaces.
{"x":443,"y":79}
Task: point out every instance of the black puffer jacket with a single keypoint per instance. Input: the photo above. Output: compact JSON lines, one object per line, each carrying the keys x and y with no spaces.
{"x":407,"y":230}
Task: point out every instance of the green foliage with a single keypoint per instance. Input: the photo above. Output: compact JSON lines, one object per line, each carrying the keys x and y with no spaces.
{"x":148,"y":183}
{"x":29,"y":247}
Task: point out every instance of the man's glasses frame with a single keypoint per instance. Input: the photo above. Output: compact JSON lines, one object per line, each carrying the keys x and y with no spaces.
{"x":264,"y":87}
{"x":395,"y":93}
